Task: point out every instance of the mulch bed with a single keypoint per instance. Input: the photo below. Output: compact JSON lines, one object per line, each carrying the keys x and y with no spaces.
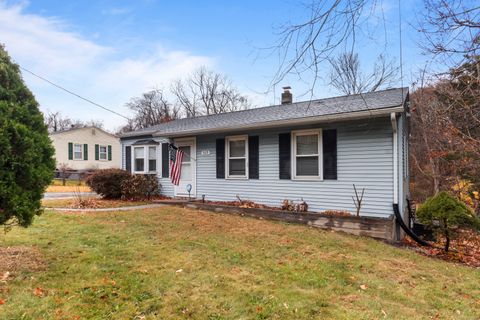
{"x":465,"y":249}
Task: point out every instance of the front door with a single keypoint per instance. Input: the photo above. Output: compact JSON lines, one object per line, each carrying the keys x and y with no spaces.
{"x":189,"y":164}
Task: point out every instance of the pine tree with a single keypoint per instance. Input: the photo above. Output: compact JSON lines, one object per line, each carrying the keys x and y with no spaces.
{"x":26,"y":152}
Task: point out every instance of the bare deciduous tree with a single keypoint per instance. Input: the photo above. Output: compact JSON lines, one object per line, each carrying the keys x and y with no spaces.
{"x":347,"y":77}
{"x":451,"y":30}
{"x":206,"y":92}
{"x":56,"y":122}
{"x":332,"y":25}
{"x":445,"y":134}
{"x":150,"y":109}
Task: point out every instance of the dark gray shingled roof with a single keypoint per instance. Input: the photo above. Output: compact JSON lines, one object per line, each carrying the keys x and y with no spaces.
{"x":300,"y":110}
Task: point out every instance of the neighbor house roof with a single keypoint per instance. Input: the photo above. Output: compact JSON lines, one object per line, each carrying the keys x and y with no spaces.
{"x":82,"y":128}
{"x":330,"y":109}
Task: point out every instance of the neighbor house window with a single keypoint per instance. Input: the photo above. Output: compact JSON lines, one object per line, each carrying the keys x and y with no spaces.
{"x":306,"y":160}
{"x":77,"y":151}
{"x":139,"y":159}
{"x":102,"y":152}
{"x":152,"y":159}
{"x":237,"y":155}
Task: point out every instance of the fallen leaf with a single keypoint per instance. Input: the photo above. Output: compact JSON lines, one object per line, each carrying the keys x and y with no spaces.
{"x":5,"y":276}
{"x":363,"y":287}
{"x":179,"y":271}
{"x":2,"y":302}
{"x":285,"y":305}
{"x":38,"y":292}
{"x":384,"y":313}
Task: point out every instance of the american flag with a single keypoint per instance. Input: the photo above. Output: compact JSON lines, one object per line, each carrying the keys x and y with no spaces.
{"x":176,"y":157}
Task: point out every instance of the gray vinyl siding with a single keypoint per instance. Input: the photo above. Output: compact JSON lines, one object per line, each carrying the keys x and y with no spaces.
{"x":365,"y":158}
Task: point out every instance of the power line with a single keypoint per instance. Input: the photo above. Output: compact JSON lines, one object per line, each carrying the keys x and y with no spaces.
{"x":400,"y":43}
{"x":73,"y":93}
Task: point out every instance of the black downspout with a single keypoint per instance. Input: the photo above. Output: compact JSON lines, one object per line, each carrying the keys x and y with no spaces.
{"x":407,"y":230}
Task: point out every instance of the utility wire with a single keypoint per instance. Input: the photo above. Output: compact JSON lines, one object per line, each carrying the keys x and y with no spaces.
{"x":73,"y":93}
{"x":400,"y":42}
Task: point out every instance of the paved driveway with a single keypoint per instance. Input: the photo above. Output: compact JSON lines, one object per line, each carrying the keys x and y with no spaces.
{"x":66,"y":195}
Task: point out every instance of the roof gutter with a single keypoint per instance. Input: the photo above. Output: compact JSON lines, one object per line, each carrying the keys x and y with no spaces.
{"x":301,"y":121}
{"x":393,"y":119}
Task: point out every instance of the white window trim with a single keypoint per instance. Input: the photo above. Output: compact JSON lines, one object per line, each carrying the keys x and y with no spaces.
{"x":294,"y":136}
{"x":81,"y":151}
{"x":227,"y":157}
{"x":147,"y":152}
{"x":145,"y":159}
{"x":99,"y":153}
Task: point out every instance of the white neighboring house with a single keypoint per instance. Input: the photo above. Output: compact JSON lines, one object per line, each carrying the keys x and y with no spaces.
{"x":86,"y":148}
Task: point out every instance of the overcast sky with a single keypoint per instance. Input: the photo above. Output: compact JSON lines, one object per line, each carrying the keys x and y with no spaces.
{"x":111,"y":51}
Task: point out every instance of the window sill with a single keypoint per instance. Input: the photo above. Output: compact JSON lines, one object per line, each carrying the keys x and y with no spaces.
{"x":307,"y":178}
{"x":236,"y":178}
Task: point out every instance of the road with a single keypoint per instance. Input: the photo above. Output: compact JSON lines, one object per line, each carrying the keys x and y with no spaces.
{"x":66,"y":195}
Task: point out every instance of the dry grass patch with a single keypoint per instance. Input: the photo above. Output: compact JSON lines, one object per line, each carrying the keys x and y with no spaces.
{"x":18,"y":259}
{"x":58,"y":189}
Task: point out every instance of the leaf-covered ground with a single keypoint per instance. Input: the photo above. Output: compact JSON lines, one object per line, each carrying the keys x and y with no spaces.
{"x":174,"y":263}
{"x":90,"y":203}
{"x":464,"y":249}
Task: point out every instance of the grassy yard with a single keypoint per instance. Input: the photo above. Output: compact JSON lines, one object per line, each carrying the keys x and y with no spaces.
{"x":171,"y":263}
{"x":70,"y":186}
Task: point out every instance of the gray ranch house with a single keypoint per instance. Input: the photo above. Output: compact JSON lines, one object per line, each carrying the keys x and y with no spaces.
{"x":313,"y":150}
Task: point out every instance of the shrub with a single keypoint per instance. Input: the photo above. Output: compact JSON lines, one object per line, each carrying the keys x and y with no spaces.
{"x":26,"y":153}
{"x":108,"y":182}
{"x":140,"y":187}
{"x":444,"y":214}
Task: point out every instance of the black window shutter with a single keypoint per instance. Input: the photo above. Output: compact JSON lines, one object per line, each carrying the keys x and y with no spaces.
{"x":109,"y":153}
{"x":330,"y":154}
{"x":253,"y":157}
{"x":284,"y":155}
{"x":97,"y":152}
{"x":220,"y":156}
{"x":85,"y":151}
{"x":165,"y":160}
{"x":128,"y":158}
{"x":70,"y":151}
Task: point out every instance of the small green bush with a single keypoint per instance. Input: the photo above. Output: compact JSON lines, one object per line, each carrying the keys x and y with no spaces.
{"x":108,"y":182}
{"x":139,"y":187}
{"x":444,"y":214}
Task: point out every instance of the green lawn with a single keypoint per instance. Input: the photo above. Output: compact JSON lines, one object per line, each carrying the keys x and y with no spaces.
{"x":171,"y":263}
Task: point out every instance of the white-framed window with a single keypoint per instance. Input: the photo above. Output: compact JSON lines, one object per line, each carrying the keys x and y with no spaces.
{"x":236,"y":157}
{"x":102,"y":153}
{"x":144,"y":159}
{"x":139,"y":159}
{"x":152,"y":159}
{"x":77,"y":151}
{"x":307,"y":155}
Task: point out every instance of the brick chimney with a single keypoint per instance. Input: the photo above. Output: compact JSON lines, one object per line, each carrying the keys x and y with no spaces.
{"x":287,"y":95}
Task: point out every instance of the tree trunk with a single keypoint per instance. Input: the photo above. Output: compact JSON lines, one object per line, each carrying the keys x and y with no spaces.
{"x":447,"y":235}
